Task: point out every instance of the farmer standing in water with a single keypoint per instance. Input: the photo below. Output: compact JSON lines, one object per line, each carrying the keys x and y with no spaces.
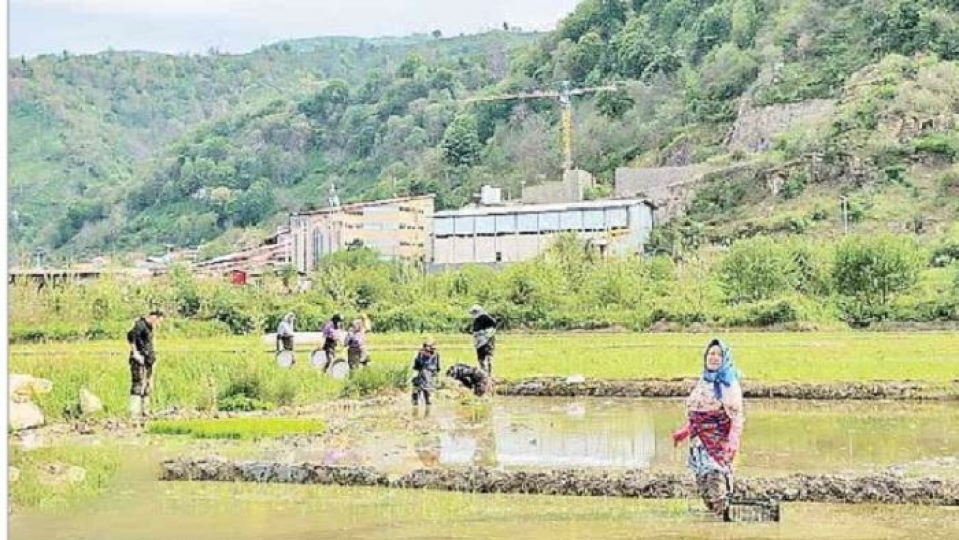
{"x":714,"y":424}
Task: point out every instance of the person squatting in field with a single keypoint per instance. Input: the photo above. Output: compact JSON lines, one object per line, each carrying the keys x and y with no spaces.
{"x":715,"y":419}
{"x":142,"y":359}
{"x":426,"y":366}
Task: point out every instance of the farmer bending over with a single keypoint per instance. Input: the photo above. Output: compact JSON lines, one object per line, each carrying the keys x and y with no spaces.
{"x":426,"y":366}
{"x":484,"y":337}
{"x":142,"y":358}
{"x":715,"y":424}
{"x":475,"y":379}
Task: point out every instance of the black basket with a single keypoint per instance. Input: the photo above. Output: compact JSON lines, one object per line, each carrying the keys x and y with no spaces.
{"x":743,"y":509}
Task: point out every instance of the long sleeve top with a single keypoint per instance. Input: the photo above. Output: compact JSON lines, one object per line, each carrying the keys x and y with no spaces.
{"x":702,"y":399}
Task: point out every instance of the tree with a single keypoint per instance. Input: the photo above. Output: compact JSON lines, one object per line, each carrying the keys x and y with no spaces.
{"x":329,"y":103}
{"x":633,"y":48}
{"x":410,"y":66}
{"x":437,"y":34}
{"x":871,"y":270}
{"x":614,"y":104}
{"x":461,"y":145}
{"x":253,"y":205}
{"x":745,"y":22}
{"x":757,"y":269}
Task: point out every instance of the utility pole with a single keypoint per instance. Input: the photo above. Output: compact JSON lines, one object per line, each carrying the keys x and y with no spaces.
{"x":40,"y":253}
{"x":844,"y":206}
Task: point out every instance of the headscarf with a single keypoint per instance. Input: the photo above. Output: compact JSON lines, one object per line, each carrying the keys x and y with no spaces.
{"x":726,"y":375}
{"x":476,"y":311}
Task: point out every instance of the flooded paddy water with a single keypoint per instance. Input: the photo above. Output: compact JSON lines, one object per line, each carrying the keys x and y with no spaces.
{"x":781,"y":437}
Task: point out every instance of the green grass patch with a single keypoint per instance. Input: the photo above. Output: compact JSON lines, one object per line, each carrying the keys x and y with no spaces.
{"x":45,"y":479}
{"x":193,"y":374}
{"x":237,"y":428}
{"x":377,"y":379}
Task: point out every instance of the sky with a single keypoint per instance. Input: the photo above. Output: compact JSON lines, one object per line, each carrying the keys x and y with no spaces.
{"x":184,"y":26}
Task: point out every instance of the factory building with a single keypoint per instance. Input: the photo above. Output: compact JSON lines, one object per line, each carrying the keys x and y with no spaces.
{"x":493,"y":233}
{"x":397,"y":228}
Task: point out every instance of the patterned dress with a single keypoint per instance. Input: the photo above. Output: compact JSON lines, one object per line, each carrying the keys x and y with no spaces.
{"x":713,"y":422}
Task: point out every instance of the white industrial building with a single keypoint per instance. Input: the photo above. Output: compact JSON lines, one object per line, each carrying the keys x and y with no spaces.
{"x":489,"y":234}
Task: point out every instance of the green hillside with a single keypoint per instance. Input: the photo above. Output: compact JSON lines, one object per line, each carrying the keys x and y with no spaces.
{"x":134,"y":151}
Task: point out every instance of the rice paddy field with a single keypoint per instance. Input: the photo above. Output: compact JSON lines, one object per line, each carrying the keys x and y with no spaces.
{"x":192,"y":373}
{"x":119,"y":492}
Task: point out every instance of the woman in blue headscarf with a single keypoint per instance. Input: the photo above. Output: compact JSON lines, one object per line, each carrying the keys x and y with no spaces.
{"x":715,"y":416}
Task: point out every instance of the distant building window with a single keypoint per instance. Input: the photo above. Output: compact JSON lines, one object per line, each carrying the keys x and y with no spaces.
{"x":549,"y":221}
{"x":571,"y":220}
{"x":443,"y":226}
{"x":506,"y":224}
{"x":485,"y":225}
{"x":464,"y":225}
{"x":594,"y":220}
{"x":617,"y":218}
{"x":527,"y":223}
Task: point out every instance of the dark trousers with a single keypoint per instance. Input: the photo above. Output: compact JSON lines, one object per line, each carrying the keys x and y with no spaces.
{"x":141,"y":378}
{"x":484,"y":355}
{"x":422,"y":384}
{"x":357,"y":357}
{"x":712,"y":489}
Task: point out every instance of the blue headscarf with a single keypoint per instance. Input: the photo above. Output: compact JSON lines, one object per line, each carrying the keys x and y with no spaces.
{"x":725,"y":375}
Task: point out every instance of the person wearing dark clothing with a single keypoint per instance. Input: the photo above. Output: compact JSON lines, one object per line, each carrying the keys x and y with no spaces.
{"x":426,"y":366}
{"x":484,"y":337}
{"x":142,"y":358}
{"x":475,"y":379}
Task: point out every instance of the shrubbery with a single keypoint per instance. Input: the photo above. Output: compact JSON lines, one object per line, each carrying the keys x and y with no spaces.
{"x":567,"y":288}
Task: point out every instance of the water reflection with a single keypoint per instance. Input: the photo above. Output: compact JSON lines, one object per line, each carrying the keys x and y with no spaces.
{"x":574,"y":435}
{"x":780,"y":437}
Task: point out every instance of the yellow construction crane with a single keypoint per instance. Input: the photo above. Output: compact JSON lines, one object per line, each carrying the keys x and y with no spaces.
{"x":565,"y":99}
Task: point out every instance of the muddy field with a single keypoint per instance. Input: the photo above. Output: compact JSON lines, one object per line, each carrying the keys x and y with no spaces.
{"x":514,"y":451}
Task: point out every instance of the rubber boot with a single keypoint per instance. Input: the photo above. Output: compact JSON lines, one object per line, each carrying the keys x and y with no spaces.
{"x":145,"y":406}
{"x":136,"y":404}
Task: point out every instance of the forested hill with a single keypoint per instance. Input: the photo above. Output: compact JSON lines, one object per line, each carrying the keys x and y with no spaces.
{"x":137,"y":150}
{"x":83,"y":129}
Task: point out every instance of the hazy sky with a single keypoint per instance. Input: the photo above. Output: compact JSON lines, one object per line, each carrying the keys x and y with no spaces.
{"x":83,"y":26}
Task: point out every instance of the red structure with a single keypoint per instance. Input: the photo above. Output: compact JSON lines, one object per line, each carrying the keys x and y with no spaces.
{"x":238,"y":277}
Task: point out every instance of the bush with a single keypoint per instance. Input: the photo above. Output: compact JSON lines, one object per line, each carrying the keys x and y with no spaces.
{"x":243,"y":403}
{"x":949,"y":182}
{"x":763,"y":313}
{"x":939,"y":144}
{"x":376,"y":379}
{"x":794,"y":186}
{"x":757,"y":269}
{"x":870,"y":270}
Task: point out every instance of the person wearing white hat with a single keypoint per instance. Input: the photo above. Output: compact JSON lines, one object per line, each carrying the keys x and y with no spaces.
{"x":484,"y":337}
{"x":284,"y":333}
